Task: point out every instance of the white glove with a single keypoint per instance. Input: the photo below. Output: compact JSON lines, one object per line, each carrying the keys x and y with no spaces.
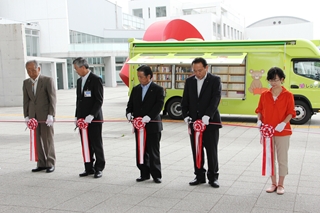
{"x":187,"y":120}
{"x":146,"y":119}
{"x":129,"y":116}
{"x":26,"y":120}
{"x":88,"y":119}
{"x":280,"y":127}
{"x":49,"y":121}
{"x":259,"y":123}
{"x":205,"y":119}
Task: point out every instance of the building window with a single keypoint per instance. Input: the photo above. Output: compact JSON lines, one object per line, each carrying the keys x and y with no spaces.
{"x":32,"y":42}
{"x":161,"y":12}
{"x":214,"y":26}
{"x":137,"y":12}
{"x":219,"y":29}
{"x":132,"y":22}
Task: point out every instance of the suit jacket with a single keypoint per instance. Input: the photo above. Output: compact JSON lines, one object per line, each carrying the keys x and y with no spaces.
{"x":42,"y":104}
{"x":90,"y":105}
{"x":208,"y":101}
{"x":151,"y":105}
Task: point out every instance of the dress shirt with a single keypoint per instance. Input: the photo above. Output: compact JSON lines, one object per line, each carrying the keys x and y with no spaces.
{"x":200,"y":83}
{"x":145,"y":89}
{"x":34,"y":84}
{"x":83,"y":80}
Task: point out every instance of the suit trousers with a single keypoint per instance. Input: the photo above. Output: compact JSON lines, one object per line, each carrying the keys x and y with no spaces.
{"x":210,"y":141}
{"x":45,"y":146}
{"x":152,"y":163}
{"x":280,"y":150}
{"x":95,"y":147}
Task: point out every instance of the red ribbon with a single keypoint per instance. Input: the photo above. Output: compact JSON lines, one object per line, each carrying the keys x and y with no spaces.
{"x":32,"y":125}
{"x":83,"y":126}
{"x":199,"y":128}
{"x":142,"y":136}
{"x":267,"y":132}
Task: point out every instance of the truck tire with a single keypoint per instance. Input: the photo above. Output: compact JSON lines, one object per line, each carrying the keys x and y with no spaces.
{"x":174,"y":108}
{"x":303,"y":112}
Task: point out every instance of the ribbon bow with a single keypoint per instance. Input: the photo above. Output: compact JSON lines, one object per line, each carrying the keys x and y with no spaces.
{"x":81,"y":124}
{"x":32,"y":124}
{"x":138,"y":124}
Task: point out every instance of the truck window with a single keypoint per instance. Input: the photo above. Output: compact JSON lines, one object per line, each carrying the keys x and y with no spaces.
{"x":309,"y":69}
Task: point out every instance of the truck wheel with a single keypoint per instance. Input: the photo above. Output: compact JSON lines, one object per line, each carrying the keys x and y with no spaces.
{"x":174,"y":108}
{"x":303,"y":112}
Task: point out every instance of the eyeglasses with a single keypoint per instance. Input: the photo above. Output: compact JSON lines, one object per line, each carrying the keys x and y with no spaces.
{"x":274,"y":80}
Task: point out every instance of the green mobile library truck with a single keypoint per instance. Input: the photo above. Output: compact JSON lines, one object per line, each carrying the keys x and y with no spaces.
{"x":242,"y":67}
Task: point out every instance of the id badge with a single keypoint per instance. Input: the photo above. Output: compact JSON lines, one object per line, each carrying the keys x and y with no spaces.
{"x":87,"y":94}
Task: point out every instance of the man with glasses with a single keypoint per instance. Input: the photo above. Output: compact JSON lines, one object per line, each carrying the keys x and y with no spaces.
{"x":39,"y":102}
{"x":146,"y":101}
{"x":200,"y":100}
{"x":88,"y":107}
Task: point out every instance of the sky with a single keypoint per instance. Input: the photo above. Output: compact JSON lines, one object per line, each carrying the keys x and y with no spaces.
{"x":255,"y":10}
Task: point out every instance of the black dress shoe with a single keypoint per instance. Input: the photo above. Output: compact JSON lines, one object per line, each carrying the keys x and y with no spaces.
{"x":50,"y":169}
{"x":157,"y":180}
{"x":85,"y":173}
{"x":38,"y":169}
{"x":140,"y":179}
{"x":214,"y":184}
{"x":98,"y":174}
{"x":197,"y":181}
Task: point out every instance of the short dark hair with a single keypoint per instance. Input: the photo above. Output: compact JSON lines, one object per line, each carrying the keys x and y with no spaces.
{"x":273,"y":72}
{"x":146,"y":70}
{"x":81,"y":62}
{"x":200,"y":60}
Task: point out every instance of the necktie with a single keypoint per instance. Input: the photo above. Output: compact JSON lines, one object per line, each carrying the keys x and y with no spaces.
{"x":33,"y":88}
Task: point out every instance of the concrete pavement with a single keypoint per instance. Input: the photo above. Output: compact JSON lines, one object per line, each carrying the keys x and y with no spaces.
{"x":242,"y":186}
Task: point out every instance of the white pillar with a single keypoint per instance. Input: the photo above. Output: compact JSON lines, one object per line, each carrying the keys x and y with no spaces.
{"x":65,"y":75}
{"x":54,"y":73}
{"x":110,"y":71}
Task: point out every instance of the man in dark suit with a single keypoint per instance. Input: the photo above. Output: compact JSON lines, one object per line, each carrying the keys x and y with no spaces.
{"x":146,"y":101}
{"x":89,"y":103}
{"x":201,"y":97}
{"x":39,"y":102}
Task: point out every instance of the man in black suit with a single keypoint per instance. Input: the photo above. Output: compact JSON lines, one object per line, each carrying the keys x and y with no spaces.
{"x":89,"y":103}
{"x":201,"y":97}
{"x":146,"y":101}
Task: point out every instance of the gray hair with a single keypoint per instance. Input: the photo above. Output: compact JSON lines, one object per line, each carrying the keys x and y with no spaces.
{"x":81,"y":62}
{"x":36,"y":64}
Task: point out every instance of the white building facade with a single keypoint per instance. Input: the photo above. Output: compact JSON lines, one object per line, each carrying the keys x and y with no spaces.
{"x":57,"y":32}
{"x":280,"y":27}
{"x":214,"y":20}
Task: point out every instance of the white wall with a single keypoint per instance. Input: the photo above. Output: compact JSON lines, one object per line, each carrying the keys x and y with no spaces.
{"x":204,"y":27}
{"x":12,"y":64}
{"x":93,"y":17}
{"x":51,"y":16}
{"x":124,"y":33}
{"x":175,"y":11}
{"x":291,"y":31}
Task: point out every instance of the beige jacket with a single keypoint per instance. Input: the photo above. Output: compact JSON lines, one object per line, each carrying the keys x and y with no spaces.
{"x":42,"y":104}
